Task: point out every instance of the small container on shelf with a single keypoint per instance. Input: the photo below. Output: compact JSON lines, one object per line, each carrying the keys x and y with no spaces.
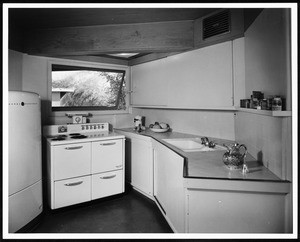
{"x":277,"y":104}
{"x":263,"y":104}
{"x":257,"y":94}
{"x":245,"y":103}
{"x":269,"y":103}
{"x":255,"y":103}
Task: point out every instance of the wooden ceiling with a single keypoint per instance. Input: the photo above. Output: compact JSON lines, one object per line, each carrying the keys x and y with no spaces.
{"x":26,"y":20}
{"x":45,"y":18}
{"x":85,"y":33}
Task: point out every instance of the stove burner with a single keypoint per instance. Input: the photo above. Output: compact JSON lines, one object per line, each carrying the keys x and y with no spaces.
{"x":80,"y":136}
{"x":58,"y":138}
{"x":74,"y":134}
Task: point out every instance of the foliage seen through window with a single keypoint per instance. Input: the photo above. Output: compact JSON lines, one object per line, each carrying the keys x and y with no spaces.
{"x":81,"y":88}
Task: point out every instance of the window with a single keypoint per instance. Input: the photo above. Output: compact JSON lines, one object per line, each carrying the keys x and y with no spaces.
{"x":87,"y":88}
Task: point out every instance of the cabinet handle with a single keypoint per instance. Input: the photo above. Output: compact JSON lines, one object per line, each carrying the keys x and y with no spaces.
{"x":73,"y":184}
{"x":119,"y":166}
{"x":107,"y":177}
{"x":73,"y":148}
{"x":112,"y":143}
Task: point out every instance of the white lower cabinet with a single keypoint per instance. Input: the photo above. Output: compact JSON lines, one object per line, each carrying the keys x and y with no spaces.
{"x":228,"y":206}
{"x":72,"y":191}
{"x":139,"y":162}
{"x":168,"y":185}
{"x":142,"y":166}
{"x":107,"y":184}
{"x":84,"y":171}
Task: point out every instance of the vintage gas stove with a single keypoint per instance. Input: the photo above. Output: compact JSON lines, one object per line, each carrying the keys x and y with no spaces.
{"x":84,"y":162}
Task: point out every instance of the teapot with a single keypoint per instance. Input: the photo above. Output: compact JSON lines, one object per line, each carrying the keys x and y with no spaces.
{"x":233,"y":158}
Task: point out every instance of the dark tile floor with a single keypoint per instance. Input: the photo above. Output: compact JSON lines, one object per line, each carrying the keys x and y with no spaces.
{"x":127,"y":213}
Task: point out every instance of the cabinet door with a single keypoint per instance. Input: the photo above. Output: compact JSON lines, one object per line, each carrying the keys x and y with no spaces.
{"x":201,"y":78}
{"x":107,"y":184}
{"x":142,"y":166}
{"x":72,"y":191}
{"x":222,"y":211}
{"x":107,"y":155}
{"x":149,"y":84}
{"x":168,"y":184}
{"x":71,"y":160}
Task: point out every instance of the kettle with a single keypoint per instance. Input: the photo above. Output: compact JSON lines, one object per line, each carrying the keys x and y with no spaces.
{"x":233,"y":158}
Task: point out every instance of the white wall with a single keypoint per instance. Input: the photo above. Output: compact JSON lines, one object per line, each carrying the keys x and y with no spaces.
{"x":217,"y":124}
{"x":32,"y":75}
{"x":15,"y":70}
{"x":267,"y":54}
{"x":267,"y":69}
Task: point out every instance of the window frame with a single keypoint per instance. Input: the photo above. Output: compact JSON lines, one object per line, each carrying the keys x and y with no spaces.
{"x":88,"y":110}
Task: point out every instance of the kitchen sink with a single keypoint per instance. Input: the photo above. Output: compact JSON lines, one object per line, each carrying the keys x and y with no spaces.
{"x":192,"y":145}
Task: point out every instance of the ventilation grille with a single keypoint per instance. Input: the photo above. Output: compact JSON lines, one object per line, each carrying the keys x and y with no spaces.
{"x":216,"y":25}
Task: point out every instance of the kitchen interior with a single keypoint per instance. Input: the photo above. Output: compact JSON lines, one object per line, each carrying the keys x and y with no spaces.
{"x":198,"y":127}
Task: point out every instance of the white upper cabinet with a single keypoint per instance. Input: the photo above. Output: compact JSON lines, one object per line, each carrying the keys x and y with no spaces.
{"x":149,"y":83}
{"x":200,"y":78}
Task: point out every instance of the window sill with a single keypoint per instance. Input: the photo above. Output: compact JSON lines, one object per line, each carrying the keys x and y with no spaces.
{"x":88,"y":114}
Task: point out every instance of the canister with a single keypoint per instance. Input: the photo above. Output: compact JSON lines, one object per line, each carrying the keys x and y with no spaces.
{"x":264,"y":104}
{"x":255,"y":103}
{"x":277,"y":104}
{"x":269,"y":103}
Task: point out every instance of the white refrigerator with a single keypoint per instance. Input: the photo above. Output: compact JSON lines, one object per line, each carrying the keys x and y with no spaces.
{"x":24,"y":159}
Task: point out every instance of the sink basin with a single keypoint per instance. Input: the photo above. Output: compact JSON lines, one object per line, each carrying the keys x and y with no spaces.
{"x":192,"y":145}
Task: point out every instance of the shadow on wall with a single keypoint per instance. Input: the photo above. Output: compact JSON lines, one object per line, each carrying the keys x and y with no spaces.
{"x":260,"y":157}
{"x":45,"y":109}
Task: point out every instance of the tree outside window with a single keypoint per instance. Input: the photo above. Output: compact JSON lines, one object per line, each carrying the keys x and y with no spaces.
{"x":83,"y":88}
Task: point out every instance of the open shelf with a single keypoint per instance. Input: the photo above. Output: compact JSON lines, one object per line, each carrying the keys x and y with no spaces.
{"x":185,"y":108}
{"x":266,"y":112}
{"x":247,"y":110}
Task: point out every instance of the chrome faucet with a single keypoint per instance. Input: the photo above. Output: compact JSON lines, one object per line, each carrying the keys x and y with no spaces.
{"x":205,"y":141}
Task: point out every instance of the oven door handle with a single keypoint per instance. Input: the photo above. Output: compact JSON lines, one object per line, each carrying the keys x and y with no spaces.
{"x":74,"y":183}
{"x":73,"y":148}
{"x":107,"y":177}
{"x":105,"y":144}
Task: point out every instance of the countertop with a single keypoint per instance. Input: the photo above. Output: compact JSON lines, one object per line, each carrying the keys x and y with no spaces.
{"x":209,"y":164}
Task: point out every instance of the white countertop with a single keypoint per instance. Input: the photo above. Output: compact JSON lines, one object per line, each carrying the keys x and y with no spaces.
{"x":209,"y":164}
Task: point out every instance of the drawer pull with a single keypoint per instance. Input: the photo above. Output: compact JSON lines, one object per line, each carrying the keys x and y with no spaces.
{"x":107,"y":177}
{"x":73,"y":184}
{"x":119,"y":166}
{"x":104,"y":144}
{"x":73,"y":148}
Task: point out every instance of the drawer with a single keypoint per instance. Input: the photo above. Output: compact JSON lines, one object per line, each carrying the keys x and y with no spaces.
{"x":71,"y":160}
{"x":107,"y":155}
{"x":72,"y":191}
{"x":107,"y":184}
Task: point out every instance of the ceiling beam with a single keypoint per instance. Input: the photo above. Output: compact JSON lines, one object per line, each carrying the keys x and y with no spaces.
{"x":93,"y":40}
{"x":98,"y":59}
